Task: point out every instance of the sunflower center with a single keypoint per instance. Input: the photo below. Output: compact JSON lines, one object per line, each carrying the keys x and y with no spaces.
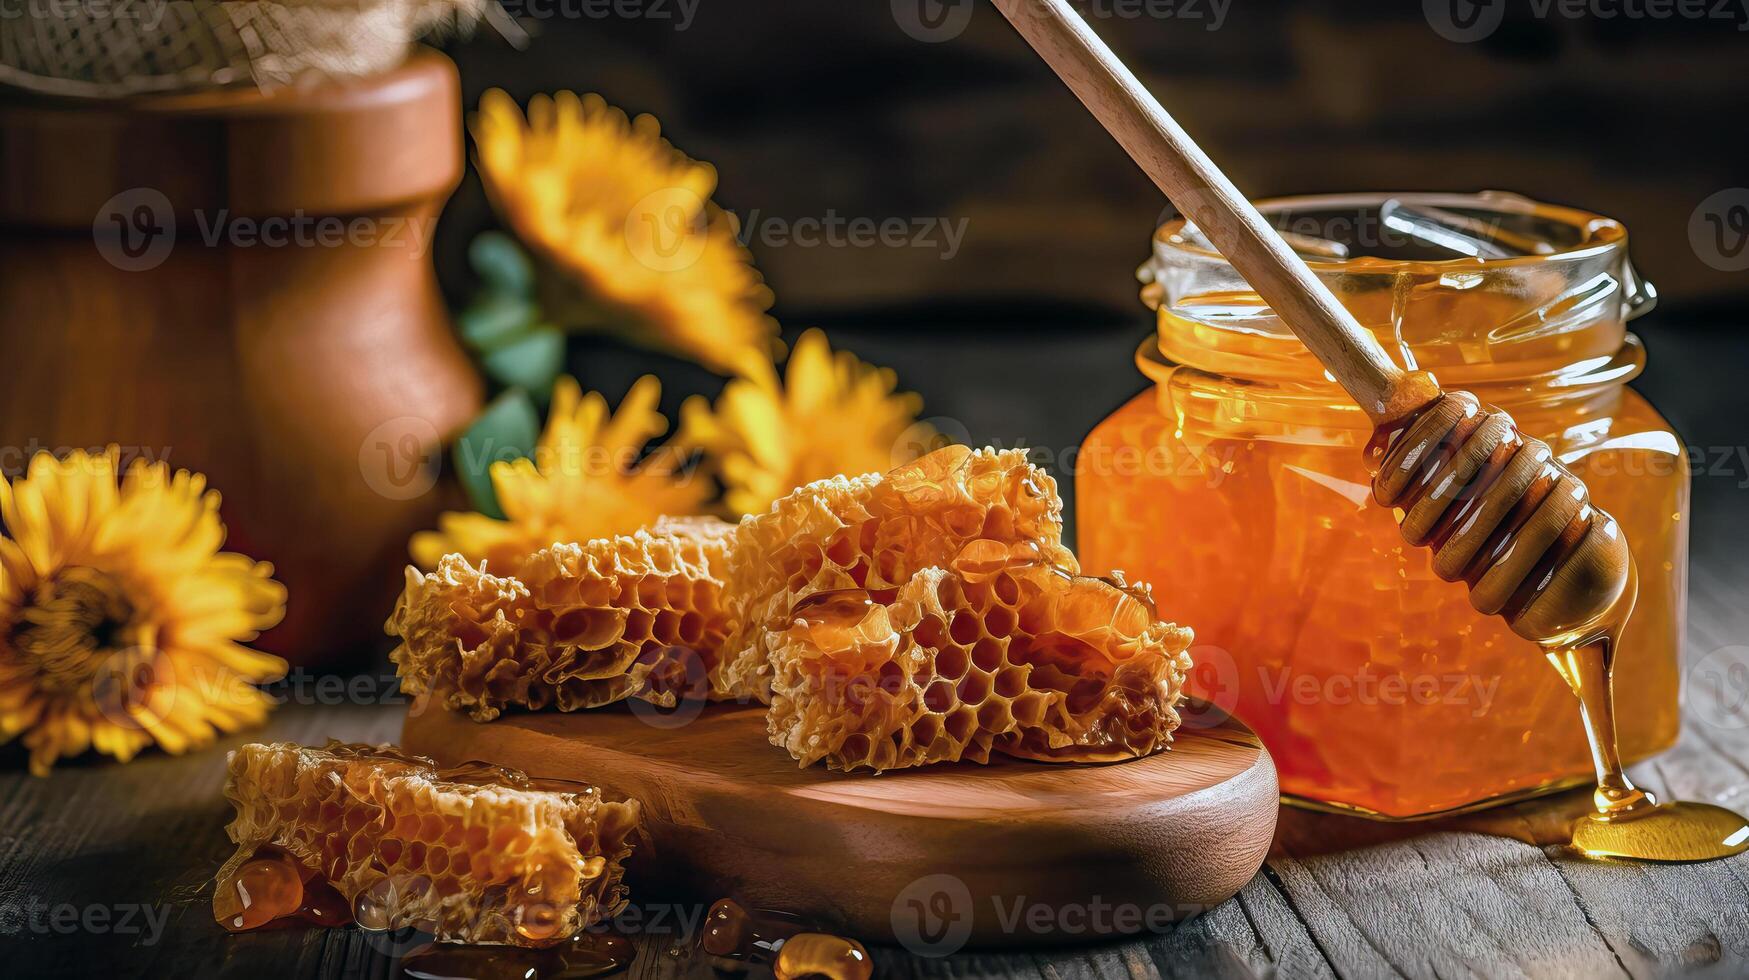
{"x":73,"y":626}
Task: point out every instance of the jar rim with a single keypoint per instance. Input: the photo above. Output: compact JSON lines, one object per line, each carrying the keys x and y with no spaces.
{"x":1578,"y":380}
{"x":1597,"y":233}
{"x":1559,"y":302}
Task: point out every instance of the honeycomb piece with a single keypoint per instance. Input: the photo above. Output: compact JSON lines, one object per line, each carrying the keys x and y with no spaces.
{"x":855,"y":684}
{"x":581,"y":625}
{"x":1114,"y":668}
{"x":875,"y":532}
{"x":1018,"y":657}
{"x":476,"y":854}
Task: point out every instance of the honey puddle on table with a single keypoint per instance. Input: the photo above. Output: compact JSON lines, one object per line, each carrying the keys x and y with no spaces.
{"x":587,"y":954}
{"x":1628,"y":822}
{"x":792,"y":948}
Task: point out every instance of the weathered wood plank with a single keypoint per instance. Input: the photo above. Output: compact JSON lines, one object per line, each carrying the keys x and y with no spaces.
{"x":1339,"y":898}
{"x":1255,"y":934}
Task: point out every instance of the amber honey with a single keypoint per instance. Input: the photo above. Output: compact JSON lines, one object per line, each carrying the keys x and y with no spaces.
{"x":783,"y":940}
{"x":1238,"y":487}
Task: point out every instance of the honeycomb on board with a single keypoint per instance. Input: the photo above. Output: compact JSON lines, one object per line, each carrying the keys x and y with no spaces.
{"x":580,"y":625}
{"x":1021,"y":658}
{"x":497,"y":857}
{"x":1114,"y":669}
{"x":874,"y":533}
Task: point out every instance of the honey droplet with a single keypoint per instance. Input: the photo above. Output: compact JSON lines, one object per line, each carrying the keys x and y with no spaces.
{"x":731,"y":931}
{"x":725,"y":929}
{"x":476,"y":773}
{"x":268,"y":886}
{"x":371,"y":908}
{"x":814,"y":954}
{"x":380,"y":907}
{"x":982,"y":558}
{"x":836,"y":607}
{"x":834,"y":619}
{"x":553,"y":784}
{"x":925,"y":481}
{"x":323,"y":905}
{"x":538,"y":922}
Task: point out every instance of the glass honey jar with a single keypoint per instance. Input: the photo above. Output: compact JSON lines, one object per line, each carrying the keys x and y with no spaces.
{"x":1238,"y":487}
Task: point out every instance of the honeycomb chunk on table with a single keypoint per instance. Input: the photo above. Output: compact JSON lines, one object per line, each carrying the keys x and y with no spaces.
{"x":874,"y":533}
{"x":1028,"y":660}
{"x":579,"y":626}
{"x":475,"y":854}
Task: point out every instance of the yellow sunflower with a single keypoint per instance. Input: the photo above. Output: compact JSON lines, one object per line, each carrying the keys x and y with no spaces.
{"x":121,"y":623}
{"x":628,"y":220}
{"x":831,"y":414}
{"x":586,"y":480}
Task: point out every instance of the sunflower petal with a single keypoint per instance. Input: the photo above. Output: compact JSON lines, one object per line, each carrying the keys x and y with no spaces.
{"x":586,"y":480}
{"x":628,"y":220}
{"x":831,"y":414}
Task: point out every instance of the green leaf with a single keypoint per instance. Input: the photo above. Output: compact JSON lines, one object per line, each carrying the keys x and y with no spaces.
{"x":530,"y":362}
{"x":494,"y":319}
{"x":501,"y":262}
{"x":506,"y":429}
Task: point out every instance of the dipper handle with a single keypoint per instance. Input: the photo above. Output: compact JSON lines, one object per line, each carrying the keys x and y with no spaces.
{"x":1501,"y":513}
{"x":1202,"y":193}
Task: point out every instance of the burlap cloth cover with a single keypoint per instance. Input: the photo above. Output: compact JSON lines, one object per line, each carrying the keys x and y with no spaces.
{"x":111,"y":48}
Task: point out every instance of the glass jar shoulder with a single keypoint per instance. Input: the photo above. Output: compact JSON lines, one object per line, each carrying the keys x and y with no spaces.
{"x":1631,"y":439}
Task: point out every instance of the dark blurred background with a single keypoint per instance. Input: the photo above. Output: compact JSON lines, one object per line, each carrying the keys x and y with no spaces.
{"x":815,"y":106}
{"x":938,"y":115}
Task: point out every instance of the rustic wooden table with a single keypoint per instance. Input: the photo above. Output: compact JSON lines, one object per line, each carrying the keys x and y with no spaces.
{"x":104,"y":868}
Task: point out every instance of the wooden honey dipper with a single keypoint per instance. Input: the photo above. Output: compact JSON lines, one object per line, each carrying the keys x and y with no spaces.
{"x":1498,"y":509}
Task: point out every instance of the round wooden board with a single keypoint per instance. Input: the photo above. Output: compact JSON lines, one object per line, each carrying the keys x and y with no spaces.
{"x":934,"y":858}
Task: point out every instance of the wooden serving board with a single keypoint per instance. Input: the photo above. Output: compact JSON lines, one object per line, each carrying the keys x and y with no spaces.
{"x":935,"y":858}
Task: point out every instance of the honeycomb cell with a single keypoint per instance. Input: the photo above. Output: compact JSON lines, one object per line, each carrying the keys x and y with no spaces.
{"x":476,"y":854}
{"x":581,"y":625}
{"x":875,"y":533}
{"x":1083,"y":670}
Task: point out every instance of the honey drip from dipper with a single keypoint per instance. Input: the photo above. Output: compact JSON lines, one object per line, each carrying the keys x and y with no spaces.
{"x":1501,"y":514}
{"x":1629,"y":822}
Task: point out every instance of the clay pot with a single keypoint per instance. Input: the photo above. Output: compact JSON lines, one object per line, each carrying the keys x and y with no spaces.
{"x":241,"y":282}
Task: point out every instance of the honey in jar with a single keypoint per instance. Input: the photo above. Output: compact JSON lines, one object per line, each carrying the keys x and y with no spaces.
{"x":1238,"y":487}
